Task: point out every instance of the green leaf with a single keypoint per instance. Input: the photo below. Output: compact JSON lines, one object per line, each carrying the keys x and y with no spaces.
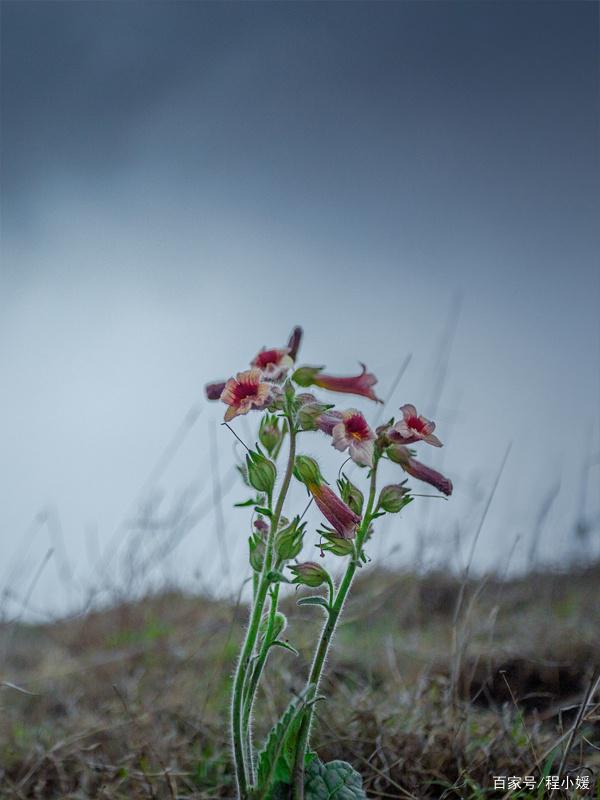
{"x":251,"y":501}
{"x":285,"y":645}
{"x":314,"y":600}
{"x":336,"y":780}
{"x":276,"y":760}
{"x":264,"y":511}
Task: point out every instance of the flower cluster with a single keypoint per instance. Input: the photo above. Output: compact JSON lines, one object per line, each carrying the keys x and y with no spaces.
{"x":282,"y":393}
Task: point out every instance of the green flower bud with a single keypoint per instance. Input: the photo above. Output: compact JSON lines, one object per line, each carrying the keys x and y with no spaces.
{"x":288,"y":542}
{"x":398,"y":453}
{"x":336,"y":544}
{"x":305,"y":376}
{"x":393,"y":498}
{"x":257,"y":547}
{"x":279,"y":625}
{"x":309,"y":413}
{"x":307,"y":471}
{"x":261,"y":472}
{"x":310,"y":574}
{"x":351,"y":495}
{"x":269,"y":433}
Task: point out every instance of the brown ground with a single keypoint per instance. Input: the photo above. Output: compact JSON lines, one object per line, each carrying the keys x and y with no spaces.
{"x":132,"y":702}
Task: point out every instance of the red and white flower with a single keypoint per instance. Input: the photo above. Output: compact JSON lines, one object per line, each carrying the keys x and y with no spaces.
{"x":352,"y":433}
{"x":273,"y":363}
{"x":413,"y":428}
{"x":361,"y":384}
{"x":245,"y":391}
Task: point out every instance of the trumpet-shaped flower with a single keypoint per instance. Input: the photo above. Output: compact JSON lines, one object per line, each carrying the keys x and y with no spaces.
{"x":335,"y":511}
{"x":352,"y":433}
{"x":402,"y":455}
{"x":339,"y":515}
{"x":361,"y":384}
{"x":413,"y":428}
{"x":245,"y":391}
{"x":274,"y":362}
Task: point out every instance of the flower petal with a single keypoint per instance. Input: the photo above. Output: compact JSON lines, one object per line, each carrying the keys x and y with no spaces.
{"x":408,"y":411}
{"x":362,"y":453}
{"x":339,"y":439}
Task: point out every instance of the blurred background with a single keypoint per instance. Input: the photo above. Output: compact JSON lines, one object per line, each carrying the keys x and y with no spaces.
{"x":183,"y":182}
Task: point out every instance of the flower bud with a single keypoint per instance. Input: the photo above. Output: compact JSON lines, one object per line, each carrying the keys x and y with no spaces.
{"x":279,"y":625}
{"x":261,"y":526}
{"x":310,"y":574}
{"x":294,"y":342}
{"x":398,"y":453}
{"x":351,"y":495}
{"x":305,"y":397}
{"x":336,"y":544}
{"x":269,"y":433}
{"x":257,"y":551}
{"x":261,"y":472}
{"x":309,"y":413}
{"x":277,"y":399}
{"x":393,"y":498}
{"x":305,"y":376}
{"x":307,"y":471}
{"x":288,"y":542}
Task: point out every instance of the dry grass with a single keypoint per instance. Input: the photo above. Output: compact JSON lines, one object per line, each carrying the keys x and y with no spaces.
{"x":132,"y":702}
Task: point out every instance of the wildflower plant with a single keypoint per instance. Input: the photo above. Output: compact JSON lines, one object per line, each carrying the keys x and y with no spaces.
{"x":286,"y":767}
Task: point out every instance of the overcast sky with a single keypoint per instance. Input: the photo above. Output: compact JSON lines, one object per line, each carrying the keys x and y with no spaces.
{"x":183,"y":182}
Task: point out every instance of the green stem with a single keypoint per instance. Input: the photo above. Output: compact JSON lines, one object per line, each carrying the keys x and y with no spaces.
{"x":325,"y":641}
{"x":241,"y":768}
{"x":252,"y":684}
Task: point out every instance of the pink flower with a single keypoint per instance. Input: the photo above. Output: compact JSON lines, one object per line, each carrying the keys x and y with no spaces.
{"x":357,"y":384}
{"x":413,"y":428}
{"x":273,"y":363}
{"x":244,"y":392}
{"x":352,"y":433}
{"x":335,"y":511}
{"x":401,"y":455}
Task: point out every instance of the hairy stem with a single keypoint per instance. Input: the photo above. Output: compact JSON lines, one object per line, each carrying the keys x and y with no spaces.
{"x":325,"y":641}
{"x":252,"y":683}
{"x":243,"y":771}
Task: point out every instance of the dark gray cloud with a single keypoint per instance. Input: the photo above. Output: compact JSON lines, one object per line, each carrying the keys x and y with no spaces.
{"x":390,"y":107}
